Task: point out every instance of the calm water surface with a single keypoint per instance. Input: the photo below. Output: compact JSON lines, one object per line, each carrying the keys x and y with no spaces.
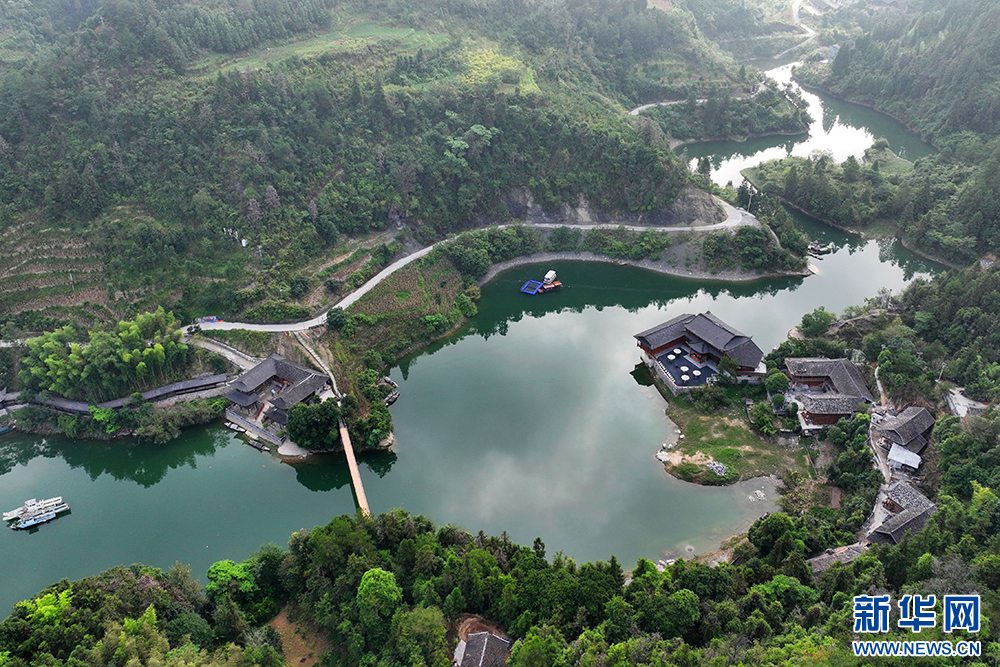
{"x":530,"y":420}
{"x":839,"y":128}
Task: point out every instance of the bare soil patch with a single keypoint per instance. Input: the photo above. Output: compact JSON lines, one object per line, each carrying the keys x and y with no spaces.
{"x":303,"y":642}
{"x":470,"y":624}
{"x":698,"y":458}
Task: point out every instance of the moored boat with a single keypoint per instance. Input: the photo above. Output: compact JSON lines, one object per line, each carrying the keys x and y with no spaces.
{"x":37,"y":513}
{"x":548,"y":284}
{"x":32,"y":506}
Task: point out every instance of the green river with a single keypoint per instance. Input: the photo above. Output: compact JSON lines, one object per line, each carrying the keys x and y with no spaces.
{"x":528,"y":420}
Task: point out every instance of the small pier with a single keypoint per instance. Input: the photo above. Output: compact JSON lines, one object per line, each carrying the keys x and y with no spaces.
{"x":345,"y":438}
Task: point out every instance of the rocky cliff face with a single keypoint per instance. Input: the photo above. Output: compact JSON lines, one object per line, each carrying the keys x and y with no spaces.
{"x":693,"y":207}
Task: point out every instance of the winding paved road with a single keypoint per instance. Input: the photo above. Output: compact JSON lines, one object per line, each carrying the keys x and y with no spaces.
{"x":735,"y":217}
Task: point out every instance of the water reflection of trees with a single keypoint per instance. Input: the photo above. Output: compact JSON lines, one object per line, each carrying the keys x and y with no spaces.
{"x":124,"y":460}
{"x":147,"y":464}
{"x":719,"y":152}
{"x":628,"y":288}
{"x":329,"y":471}
{"x":891,"y":251}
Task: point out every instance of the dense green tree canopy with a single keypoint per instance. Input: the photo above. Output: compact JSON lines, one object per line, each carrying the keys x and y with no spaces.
{"x":145,"y":352}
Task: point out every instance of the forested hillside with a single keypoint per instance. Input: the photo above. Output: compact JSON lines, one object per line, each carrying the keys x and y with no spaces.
{"x":386,"y":589}
{"x":151,"y":140}
{"x":933,"y":66}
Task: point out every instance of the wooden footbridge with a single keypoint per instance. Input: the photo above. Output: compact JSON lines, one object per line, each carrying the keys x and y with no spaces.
{"x":345,"y":437}
{"x":352,"y":464}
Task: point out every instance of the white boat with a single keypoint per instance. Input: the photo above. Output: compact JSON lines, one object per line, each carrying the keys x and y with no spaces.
{"x":36,"y":517}
{"x":33,"y":507}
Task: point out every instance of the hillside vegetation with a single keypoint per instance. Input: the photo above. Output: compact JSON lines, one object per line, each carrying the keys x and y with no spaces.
{"x":934,"y":67}
{"x":177,"y":150}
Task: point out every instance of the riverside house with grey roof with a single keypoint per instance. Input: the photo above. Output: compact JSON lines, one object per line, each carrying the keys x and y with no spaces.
{"x":825,"y":390}
{"x":685,"y":352}
{"x":266,"y":392}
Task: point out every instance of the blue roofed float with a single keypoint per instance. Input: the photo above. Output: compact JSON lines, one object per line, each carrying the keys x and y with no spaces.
{"x":548,"y":284}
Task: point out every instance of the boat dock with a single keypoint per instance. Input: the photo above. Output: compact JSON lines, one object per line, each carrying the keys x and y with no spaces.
{"x":547,"y":284}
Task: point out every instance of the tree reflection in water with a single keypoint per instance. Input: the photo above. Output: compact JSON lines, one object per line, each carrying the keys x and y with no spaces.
{"x":124,"y":459}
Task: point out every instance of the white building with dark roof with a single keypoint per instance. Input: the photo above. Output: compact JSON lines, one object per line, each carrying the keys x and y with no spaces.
{"x":685,"y":351}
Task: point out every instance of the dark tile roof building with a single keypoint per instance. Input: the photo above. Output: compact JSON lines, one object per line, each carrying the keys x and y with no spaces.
{"x":686,"y":350}
{"x":845,"y":554}
{"x":909,"y":429}
{"x":274,"y":367}
{"x":706,"y":334}
{"x":8,"y":397}
{"x":834,"y":388}
{"x":483,"y":649}
{"x":289,"y":384}
{"x":912,"y":511}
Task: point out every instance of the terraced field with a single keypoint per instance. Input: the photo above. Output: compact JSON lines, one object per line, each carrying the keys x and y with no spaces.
{"x":54,"y":268}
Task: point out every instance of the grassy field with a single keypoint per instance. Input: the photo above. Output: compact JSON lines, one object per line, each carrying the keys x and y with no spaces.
{"x":347,"y":36}
{"x":726,"y":437}
{"x":254,"y":343}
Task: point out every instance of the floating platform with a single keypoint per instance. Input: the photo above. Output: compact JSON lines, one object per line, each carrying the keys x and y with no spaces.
{"x":549,"y":284}
{"x":531,"y":287}
{"x":816,"y":250}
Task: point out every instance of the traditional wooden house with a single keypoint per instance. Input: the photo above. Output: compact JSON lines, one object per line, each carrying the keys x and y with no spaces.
{"x":685,"y":351}
{"x":825,"y":389}
{"x":910,"y":429}
{"x":273,"y":386}
{"x":482,"y":649}
{"x":845,"y":554}
{"x":912,"y":509}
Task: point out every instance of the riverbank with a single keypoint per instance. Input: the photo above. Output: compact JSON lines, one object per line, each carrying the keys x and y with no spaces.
{"x":713,"y":445}
{"x":156,"y":422}
{"x":812,"y":88}
{"x":666,"y":265}
{"x":863,"y":234}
